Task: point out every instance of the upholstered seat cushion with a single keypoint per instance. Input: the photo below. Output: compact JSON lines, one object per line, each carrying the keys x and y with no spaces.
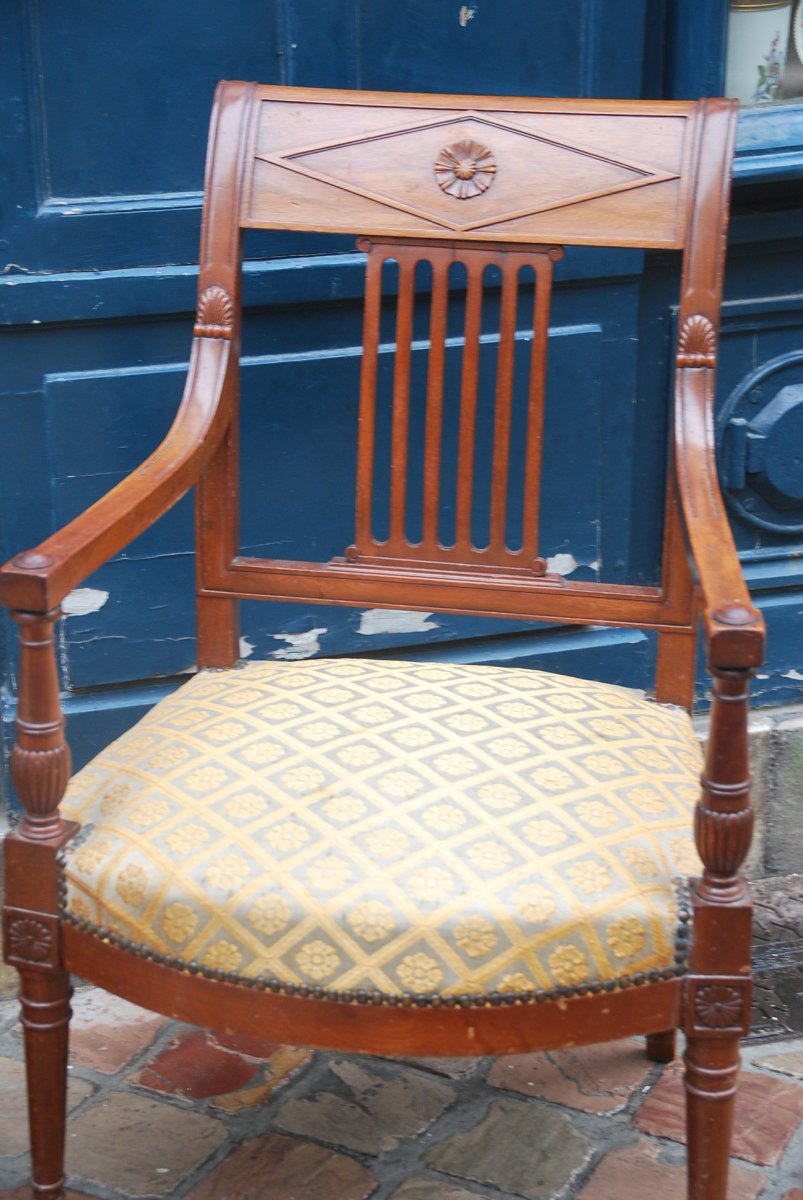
{"x":394,"y":827}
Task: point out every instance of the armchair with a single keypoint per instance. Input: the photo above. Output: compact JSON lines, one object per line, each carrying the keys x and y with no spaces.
{"x":413,"y":858}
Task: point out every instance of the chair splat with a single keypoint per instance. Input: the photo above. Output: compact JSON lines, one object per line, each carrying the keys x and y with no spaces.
{"x":453,"y":448}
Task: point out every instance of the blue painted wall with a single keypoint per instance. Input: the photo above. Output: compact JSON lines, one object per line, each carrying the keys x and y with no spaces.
{"x":103,"y":120}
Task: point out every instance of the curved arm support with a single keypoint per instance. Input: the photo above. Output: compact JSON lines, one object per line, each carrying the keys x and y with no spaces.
{"x":38,"y":580}
{"x":734,"y":629}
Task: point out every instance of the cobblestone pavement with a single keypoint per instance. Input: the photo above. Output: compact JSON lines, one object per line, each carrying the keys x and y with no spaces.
{"x":162,"y":1109}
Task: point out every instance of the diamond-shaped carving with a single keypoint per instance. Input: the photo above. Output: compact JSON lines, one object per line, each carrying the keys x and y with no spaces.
{"x":402,"y":177}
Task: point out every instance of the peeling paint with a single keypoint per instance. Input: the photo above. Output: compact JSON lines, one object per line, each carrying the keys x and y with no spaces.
{"x":791,"y":675}
{"x":467,"y":13}
{"x":81,"y":601}
{"x":394,"y":620}
{"x":562,"y":564}
{"x":246,"y":648}
{"x":300,"y":645}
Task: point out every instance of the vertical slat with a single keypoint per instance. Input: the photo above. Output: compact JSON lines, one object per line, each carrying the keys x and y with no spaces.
{"x":434,"y":417}
{"x":475,"y":266}
{"x":401,"y":401}
{"x":367,"y":430}
{"x":503,"y":404}
{"x":535,"y":408}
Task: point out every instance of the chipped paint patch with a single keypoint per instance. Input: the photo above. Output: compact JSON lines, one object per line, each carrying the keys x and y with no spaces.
{"x":791,"y":675}
{"x":394,"y":620}
{"x":467,"y":13}
{"x":81,"y":601}
{"x":299,"y":645}
{"x":562,"y":564}
{"x":246,"y":648}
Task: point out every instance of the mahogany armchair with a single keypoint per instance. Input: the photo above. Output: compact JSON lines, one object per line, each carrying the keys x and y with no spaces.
{"x":413,"y":858}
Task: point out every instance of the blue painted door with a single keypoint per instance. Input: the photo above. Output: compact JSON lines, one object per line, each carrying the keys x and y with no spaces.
{"x":104,"y":118}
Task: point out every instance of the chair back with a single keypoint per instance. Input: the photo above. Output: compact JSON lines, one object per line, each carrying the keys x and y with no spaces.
{"x":475,"y":199}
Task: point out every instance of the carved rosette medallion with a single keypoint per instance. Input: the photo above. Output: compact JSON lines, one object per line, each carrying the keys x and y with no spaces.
{"x":465,"y":169}
{"x":215,"y":313}
{"x":718,"y":1005}
{"x":31,"y":939}
{"x":697,"y":344}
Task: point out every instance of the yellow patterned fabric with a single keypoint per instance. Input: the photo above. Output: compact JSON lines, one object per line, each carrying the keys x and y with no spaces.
{"x":391,"y":826}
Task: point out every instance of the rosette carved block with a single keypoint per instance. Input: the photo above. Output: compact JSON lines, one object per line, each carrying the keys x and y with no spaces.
{"x":40,"y":760}
{"x":30,"y":939}
{"x":717,"y":1005}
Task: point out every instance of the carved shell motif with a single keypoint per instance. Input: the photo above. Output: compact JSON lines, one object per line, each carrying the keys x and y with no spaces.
{"x":29,"y":940}
{"x":719,"y":1006}
{"x":697,"y":343}
{"x":465,"y":169}
{"x":215,"y":313}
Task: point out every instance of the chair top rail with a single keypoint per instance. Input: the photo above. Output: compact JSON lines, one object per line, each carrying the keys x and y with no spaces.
{"x":474,"y":167}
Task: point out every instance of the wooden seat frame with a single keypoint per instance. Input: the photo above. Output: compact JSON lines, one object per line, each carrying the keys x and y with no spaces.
{"x":701,"y":581}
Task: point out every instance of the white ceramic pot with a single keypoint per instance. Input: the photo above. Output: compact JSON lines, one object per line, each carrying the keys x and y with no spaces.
{"x":758,"y":32}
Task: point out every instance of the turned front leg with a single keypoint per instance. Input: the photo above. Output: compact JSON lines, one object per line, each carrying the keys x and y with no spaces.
{"x":718,"y":986}
{"x":40,"y":767}
{"x":45,"y":1000}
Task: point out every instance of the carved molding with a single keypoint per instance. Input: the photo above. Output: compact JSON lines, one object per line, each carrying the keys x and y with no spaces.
{"x":697,"y":344}
{"x":40,"y":760}
{"x":40,"y":777}
{"x":718,"y":1005}
{"x":215,"y":313}
{"x":723,"y":838}
{"x":465,"y":169}
{"x":31,"y":939}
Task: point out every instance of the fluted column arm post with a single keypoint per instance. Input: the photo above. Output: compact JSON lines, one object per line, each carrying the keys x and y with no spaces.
{"x":40,"y":759}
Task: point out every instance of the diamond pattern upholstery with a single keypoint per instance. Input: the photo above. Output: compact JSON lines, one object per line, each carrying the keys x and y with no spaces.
{"x":392,"y":826}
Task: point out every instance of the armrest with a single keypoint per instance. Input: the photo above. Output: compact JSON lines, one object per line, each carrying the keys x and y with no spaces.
{"x":38,"y":580}
{"x":734,"y":628}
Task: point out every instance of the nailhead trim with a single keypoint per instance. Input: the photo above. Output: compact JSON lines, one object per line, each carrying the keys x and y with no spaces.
{"x":406,"y":999}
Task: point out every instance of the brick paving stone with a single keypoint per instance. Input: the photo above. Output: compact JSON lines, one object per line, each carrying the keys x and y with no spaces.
{"x":106,"y":1031}
{"x":593,"y":1079}
{"x":138,"y":1146}
{"x":521,"y":1148}
{"x":433,"y":1189}
{"x":14,"y":1109}
{"x":244,"y":1043}
{"x":193,"y":1067}
{"x":635,"y":1171}
{"x":282,"y":1064}
{"x":376,"y":1111}
{"x":768,"y":1111}
{"x":790,"y":1063}
{"x":283,"y":1168}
